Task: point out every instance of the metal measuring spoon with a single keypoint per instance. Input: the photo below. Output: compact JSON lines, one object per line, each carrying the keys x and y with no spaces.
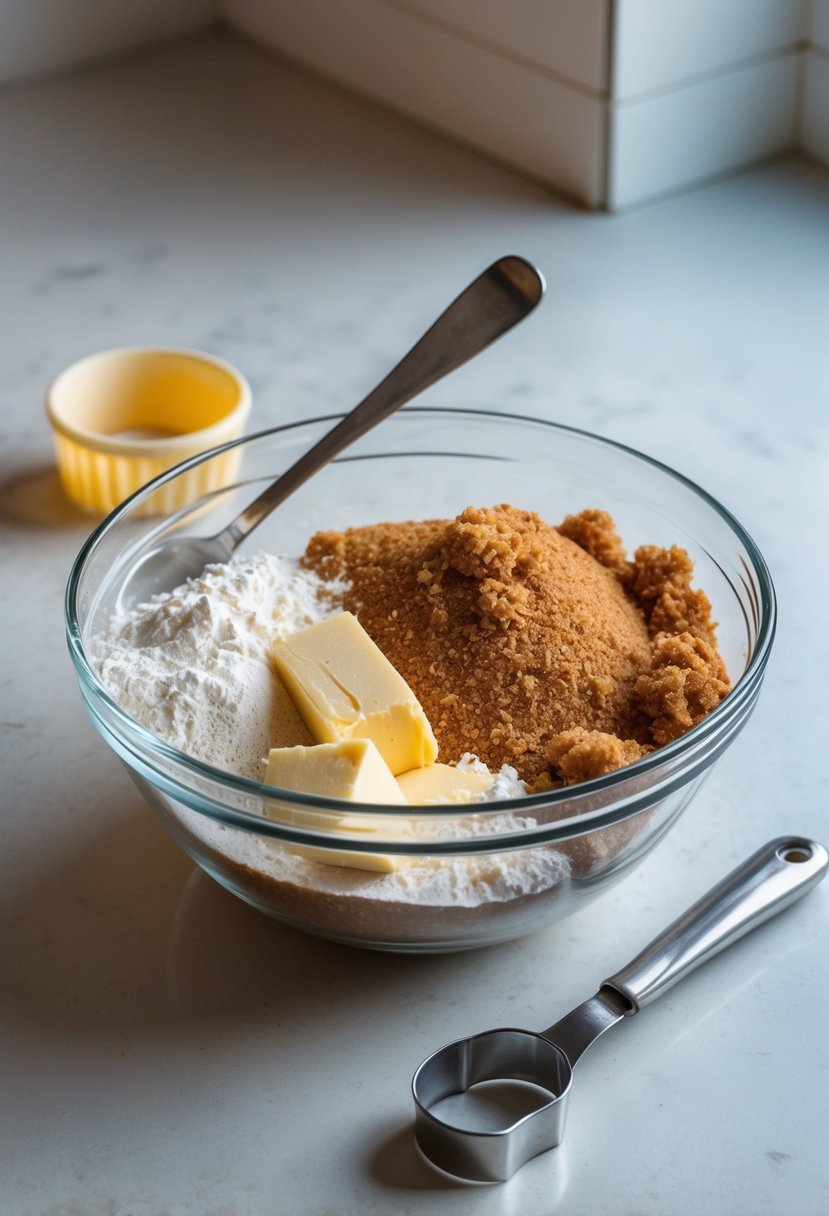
{"x":490,"y":306}
{"x":771,"y":879}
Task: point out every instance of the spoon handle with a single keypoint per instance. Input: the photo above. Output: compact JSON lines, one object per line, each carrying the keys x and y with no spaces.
{"x":771,"y":879}
{"x":495,"y":301}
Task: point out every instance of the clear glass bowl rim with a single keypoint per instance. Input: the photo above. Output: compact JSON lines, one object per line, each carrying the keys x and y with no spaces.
{"x":731,"y":705}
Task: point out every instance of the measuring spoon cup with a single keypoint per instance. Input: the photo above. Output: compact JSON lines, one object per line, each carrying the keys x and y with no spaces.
{"x":771,"y":879}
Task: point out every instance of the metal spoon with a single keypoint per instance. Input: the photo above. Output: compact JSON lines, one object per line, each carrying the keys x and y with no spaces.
{"x":771,"y":879}
{"x":492,"y":304}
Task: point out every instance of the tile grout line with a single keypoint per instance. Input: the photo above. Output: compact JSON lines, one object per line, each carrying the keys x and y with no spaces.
{"x":729,"y":69}
{"x":484,"y":44}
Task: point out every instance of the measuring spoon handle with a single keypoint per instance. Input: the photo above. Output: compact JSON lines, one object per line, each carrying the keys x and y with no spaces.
{"x":771,"y":879}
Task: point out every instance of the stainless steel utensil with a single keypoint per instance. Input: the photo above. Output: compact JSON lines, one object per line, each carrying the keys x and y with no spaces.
{"x":492,"y":304}
{"x":771,"y":879}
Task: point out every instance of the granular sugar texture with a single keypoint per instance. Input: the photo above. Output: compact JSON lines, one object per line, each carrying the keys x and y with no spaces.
{"x":539,"y":647}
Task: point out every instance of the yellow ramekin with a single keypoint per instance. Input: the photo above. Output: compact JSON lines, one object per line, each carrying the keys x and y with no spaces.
{"x":123,"y":416}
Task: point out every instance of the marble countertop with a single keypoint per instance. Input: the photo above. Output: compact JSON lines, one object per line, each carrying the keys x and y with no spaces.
{"x":169,"y":1051}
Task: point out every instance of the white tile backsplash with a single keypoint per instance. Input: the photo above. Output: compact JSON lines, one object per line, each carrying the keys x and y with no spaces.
{"x":695,"y":89}
{"x":814,"y":133}
{"x":670,"y":141}
{"x":689,"y":88}
{"x":505,"y":108}
{"x":569,"y":37}
{"x":660,"y":43}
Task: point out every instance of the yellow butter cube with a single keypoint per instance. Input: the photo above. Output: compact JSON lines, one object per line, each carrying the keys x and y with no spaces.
{"x":440,"y":783}
{"x":345,"y":688}
{"x":353,"y":770}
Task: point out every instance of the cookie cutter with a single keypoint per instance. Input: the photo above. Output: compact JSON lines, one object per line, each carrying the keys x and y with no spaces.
{"x":772,"y":878}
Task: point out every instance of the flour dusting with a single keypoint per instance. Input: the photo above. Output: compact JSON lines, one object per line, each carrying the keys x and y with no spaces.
{"x":192,"y":665}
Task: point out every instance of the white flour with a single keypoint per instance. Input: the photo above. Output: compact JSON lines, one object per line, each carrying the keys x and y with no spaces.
{"x":193,"y":668}
{"x":434,"y":882}
{"x":506,"y":782}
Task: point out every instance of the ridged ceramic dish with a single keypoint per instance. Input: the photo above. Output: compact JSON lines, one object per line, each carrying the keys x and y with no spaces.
{"x":122,"y":417}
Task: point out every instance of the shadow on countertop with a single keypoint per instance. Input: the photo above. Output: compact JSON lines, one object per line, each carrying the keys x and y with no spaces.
{"x":117,"y":933}
{"x":33,"y":498}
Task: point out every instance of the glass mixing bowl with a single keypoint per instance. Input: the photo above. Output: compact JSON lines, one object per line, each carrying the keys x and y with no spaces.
{"x":469,"y":876}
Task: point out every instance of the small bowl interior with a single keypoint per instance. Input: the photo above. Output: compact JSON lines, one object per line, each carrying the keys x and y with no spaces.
{"x":140,"y":395}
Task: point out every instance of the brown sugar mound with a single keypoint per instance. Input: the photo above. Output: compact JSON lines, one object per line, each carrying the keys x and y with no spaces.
{"x":687,"y":679}
{"x":527,"y":644}
{"x":595,"y":532}
{"x":580,"y":755}
{"x":660,"y":580}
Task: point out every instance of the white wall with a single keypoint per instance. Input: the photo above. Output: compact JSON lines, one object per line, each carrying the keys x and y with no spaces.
{"x":41,"y":36}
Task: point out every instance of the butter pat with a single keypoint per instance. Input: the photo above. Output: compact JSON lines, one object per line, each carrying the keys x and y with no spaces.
{"x":345,"y":688}
{"x":441,"y":783}
{"x":352,"y":769}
